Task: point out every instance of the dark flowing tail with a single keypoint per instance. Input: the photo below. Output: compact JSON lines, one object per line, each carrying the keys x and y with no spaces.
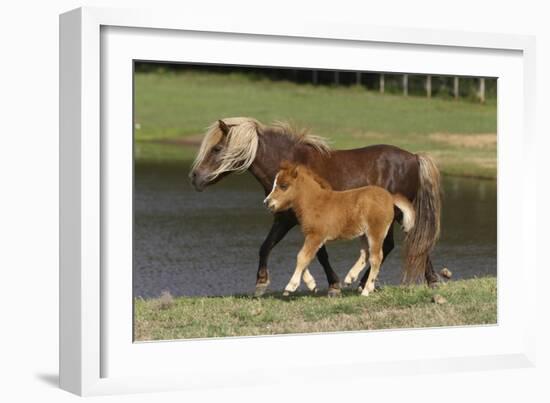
{"x":421,"y":240}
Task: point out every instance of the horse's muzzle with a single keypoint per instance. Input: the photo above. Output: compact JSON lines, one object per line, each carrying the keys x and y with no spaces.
{"x":197,"y":181}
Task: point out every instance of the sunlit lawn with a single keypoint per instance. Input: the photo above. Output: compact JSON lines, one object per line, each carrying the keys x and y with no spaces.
{"x":172,"y":106}
{"x":468,"y":302}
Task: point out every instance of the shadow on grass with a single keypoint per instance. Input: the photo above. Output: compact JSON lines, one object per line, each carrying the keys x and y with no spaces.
{"x":278,"y":295}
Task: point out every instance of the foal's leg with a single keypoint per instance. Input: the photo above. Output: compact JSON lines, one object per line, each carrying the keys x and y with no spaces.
{"x":332,"y":277}
{"x":282,"y":223}
{"x":388,"y":246}
{"x":375,"y":259}
{"x":306,"y":255}
{"x":309,"y":281}
{"x":361,"y":262}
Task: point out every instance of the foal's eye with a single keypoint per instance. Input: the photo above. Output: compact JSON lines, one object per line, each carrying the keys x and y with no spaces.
{"x":283,"y":186}
{"x":216,"y":149}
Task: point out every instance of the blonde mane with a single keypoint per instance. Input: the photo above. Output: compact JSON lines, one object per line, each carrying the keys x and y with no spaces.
{"x":242,"y":142}
{"x":301,"y":135}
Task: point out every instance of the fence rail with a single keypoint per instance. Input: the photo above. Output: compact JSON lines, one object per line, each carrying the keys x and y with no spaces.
{"x":475,"y":88}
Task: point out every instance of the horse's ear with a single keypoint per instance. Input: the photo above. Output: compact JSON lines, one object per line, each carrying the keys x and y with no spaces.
{"x":223,"y":127}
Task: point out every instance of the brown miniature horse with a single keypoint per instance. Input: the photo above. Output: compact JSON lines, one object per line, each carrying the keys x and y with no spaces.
{"x":244,"y":144}
{"x":324,"y":215}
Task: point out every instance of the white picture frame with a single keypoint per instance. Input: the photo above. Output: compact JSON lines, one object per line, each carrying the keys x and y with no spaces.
{"x":97,"y":354}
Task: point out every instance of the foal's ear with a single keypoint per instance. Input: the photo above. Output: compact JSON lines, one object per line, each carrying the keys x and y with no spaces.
{"x":286,"y":164}
{"x":290,"y":167}
{"x":223,"y":127}
{"x":294,"y":171}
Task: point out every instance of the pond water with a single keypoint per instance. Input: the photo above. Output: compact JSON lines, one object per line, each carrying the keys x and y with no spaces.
{"x":200,"y":244}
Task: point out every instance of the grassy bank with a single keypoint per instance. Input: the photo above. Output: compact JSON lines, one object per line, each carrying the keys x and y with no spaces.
{"x":172,"y":111}
{"x":468,"y":302}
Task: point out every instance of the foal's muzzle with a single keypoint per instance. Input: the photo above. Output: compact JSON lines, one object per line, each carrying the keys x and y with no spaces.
{"x":270,"y":204}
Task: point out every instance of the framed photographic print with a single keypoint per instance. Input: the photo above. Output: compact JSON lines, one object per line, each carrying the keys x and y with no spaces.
{"x":236,"y":196}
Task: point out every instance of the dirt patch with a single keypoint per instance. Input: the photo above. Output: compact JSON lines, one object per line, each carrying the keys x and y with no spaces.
{"x":193,"y":140}
{"x":447,"y":157}
{"x":369,"y":135}
{"x":481,"y":140}
{"x":485,"y":162}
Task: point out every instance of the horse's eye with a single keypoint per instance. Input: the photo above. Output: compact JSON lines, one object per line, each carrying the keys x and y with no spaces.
{"x":283,"y":186}
{"x":216,"y":149}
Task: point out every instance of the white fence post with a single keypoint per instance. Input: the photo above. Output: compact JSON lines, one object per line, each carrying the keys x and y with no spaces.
{"x":482,"y":90}
{"x":405,"y":84}
{"x":429,"y":86}
{"x":382,"y":83}
{"x":455,"y":87}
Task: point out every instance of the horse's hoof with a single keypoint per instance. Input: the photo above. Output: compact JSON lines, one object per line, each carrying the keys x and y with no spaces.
{"x":286,"y":293}
{"x":334,"y":292}
{"x":360,"y":289}
{"x":312,"y":288}
{"x":260,"y":289}
{"x":434,"y":280}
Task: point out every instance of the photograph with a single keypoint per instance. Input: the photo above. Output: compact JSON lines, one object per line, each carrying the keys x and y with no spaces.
{"x":215,"y":201}
{"x":281,"y":200}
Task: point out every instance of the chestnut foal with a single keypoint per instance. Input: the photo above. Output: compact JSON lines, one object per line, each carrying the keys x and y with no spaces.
{"x":324,"y":215}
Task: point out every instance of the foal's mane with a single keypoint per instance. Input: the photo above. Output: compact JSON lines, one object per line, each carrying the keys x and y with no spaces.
{"x":302,"y":169}
{"x":243,"y":140}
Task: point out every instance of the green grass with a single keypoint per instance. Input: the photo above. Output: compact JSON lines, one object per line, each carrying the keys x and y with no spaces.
{"x":469,"y":302}
{"x":172,"y":106}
